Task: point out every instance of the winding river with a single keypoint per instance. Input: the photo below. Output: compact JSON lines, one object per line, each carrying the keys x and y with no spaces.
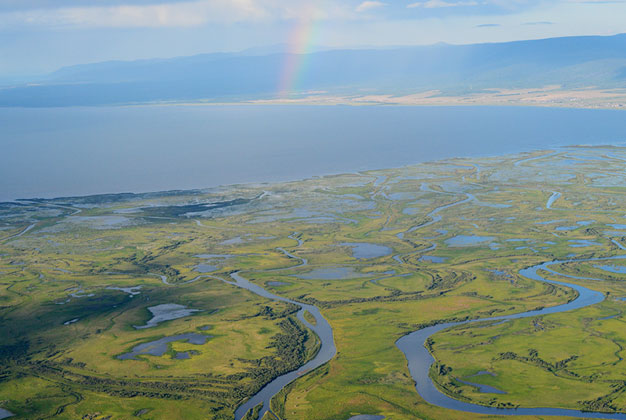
{"x":420,"y":360}
{"x":326,"y":352}
{"x":322,"y":328}
{"x":413,"y":345}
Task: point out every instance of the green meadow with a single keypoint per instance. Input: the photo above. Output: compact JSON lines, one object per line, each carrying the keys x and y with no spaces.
{"x":80,"y":279}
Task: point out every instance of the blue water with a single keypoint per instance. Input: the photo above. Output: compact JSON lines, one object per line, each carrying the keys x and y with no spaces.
{"x":468,"y":240}
{"x":159,"y":347}
{"x":78,"y":151}
{"x":433,"y":259}
{"x":364,"y":250}
{"x":484,"y":389}
{"x":619,"y":269}
{"x":420,"y":360}
{"x":331,"y":273}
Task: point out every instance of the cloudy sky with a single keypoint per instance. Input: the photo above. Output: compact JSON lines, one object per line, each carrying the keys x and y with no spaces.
{"x":38,"y":36}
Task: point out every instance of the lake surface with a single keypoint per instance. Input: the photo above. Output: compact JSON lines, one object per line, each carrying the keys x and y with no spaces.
{"x":468,"y":240}
{"x":331,"y":273}
{"x":50,"y":152}
{"x":166,"y":312}
{"x":159,"y":347}
{"x":364,"y":250}
{"x":433,"y":259}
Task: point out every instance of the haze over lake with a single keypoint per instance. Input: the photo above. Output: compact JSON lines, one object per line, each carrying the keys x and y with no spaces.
{"x":51,"y":152}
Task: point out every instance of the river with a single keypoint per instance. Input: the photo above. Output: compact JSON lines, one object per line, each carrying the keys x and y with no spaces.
{"x":420,"y":360}
{"x":413,"y":345}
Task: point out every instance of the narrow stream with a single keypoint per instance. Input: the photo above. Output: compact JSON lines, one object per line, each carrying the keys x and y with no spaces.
{"x":555,"y":196}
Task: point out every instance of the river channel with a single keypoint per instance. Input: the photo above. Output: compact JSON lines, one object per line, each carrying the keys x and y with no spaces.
{"x":413,"y":345}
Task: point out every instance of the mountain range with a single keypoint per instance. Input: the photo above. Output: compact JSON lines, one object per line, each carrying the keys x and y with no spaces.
{"x":571,"y":62}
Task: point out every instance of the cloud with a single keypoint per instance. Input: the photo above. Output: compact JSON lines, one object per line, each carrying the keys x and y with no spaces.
{"x":369,"y":5}
{"x":177,"y":13}
{"x":488,"y":25}
{"x":436,"y":4}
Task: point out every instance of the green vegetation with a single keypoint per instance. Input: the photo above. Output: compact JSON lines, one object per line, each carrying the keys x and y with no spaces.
{"x":65,"y":320}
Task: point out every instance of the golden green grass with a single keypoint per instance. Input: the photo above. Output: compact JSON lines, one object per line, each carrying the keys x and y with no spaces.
{"x":49,"y":369}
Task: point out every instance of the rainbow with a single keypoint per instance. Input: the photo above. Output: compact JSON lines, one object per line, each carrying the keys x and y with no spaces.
{"x":295,"y":62}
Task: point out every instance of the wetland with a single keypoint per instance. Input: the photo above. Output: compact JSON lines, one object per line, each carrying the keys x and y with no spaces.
{"x":492,"y":295}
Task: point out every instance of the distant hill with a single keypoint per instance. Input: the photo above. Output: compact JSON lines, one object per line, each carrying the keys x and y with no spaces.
{"x":457,"y":69}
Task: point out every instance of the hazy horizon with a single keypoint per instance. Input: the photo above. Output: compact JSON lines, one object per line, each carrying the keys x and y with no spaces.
{"x":279,"y":48}
{"x":68,"y":32}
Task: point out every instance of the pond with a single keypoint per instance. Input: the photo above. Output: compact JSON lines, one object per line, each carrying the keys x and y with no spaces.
{"x":159,"y":347}
{"x":166,"y":312}
{"x":433,"y":259}
{"x":468,"y":240}
{"x":331,"y":273}
{"x":364,"y":250}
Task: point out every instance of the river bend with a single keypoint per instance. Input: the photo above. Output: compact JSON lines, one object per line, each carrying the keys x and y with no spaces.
{"x":420,"y":360}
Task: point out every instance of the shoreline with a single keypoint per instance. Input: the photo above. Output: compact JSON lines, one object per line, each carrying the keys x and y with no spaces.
{"x":204,"y":190}
{"x":538,"y":97}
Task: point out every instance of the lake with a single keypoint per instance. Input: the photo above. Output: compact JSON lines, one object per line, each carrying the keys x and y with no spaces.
{"x":50,"y":152}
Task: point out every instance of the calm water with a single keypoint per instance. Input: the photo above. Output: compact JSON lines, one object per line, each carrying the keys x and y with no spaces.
{"x":159,"y":347}
{"x":77,"y":151}
{"x":420,"y":360}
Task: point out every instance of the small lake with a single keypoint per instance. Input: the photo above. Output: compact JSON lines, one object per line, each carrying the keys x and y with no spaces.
{"x":5,"y":413}
{"x":277,"y":283}
{"x":364,"y":250}
{"x":581,"y":243}
{"x":204,"y":268}
{"x":578,"y":224}
{"x":166,"y":312}
{"x":433,"y":259}
{"x":159,"y":347}
{"x":402,"y":196}
{"x":468,"y":240}
{"x":331,"y":273}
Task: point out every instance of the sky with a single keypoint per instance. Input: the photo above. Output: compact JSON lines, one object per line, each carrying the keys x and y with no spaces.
{"x":40,"y":36}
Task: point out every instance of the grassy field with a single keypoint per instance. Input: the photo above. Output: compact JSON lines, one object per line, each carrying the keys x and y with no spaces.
{"x":65,"y":320}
